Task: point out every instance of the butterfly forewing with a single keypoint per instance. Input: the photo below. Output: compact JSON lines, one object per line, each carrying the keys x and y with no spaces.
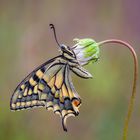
{"x":26,"y":94}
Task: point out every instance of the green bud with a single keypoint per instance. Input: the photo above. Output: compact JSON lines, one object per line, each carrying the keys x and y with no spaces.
{"x":86,"y":50}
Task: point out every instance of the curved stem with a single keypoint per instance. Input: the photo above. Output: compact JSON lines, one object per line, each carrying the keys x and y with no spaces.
{"x":131,"y":102}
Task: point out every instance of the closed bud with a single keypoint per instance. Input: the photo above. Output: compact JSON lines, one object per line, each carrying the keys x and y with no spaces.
{"x":86,"y":50}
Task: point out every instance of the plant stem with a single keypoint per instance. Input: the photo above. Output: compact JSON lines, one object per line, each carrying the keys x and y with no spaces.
{"x":131,"y":102}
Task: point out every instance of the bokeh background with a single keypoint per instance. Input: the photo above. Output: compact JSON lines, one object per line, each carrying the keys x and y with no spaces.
{"x":26,"y":41}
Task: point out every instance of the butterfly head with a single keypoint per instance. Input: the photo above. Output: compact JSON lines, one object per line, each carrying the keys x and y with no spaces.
{"x":67,"y":52}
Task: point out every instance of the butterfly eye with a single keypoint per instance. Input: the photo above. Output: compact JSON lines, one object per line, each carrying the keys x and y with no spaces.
{"x":64,"y":47}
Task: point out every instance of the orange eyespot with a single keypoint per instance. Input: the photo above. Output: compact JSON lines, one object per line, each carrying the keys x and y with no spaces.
{"x":76,"y":102}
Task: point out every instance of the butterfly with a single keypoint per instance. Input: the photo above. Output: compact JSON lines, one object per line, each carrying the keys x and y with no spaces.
{"x":50,"y":85}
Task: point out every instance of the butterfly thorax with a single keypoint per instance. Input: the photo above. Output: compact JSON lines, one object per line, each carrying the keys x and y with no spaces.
{"x":68,"y":56}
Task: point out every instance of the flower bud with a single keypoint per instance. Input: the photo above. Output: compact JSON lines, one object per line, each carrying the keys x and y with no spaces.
{"x":86,"y":50}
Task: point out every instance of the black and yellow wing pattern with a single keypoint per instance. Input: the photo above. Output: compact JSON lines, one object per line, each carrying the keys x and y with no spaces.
{"x":48,"y":86}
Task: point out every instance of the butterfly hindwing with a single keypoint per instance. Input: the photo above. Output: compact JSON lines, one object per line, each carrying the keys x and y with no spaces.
{"x":59,"y":92}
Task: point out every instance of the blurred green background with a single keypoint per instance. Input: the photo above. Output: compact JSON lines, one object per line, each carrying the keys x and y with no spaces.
{"x":26,"y":41}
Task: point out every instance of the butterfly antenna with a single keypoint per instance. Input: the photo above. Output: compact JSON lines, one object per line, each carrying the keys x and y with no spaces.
{"x":53,"y":28}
